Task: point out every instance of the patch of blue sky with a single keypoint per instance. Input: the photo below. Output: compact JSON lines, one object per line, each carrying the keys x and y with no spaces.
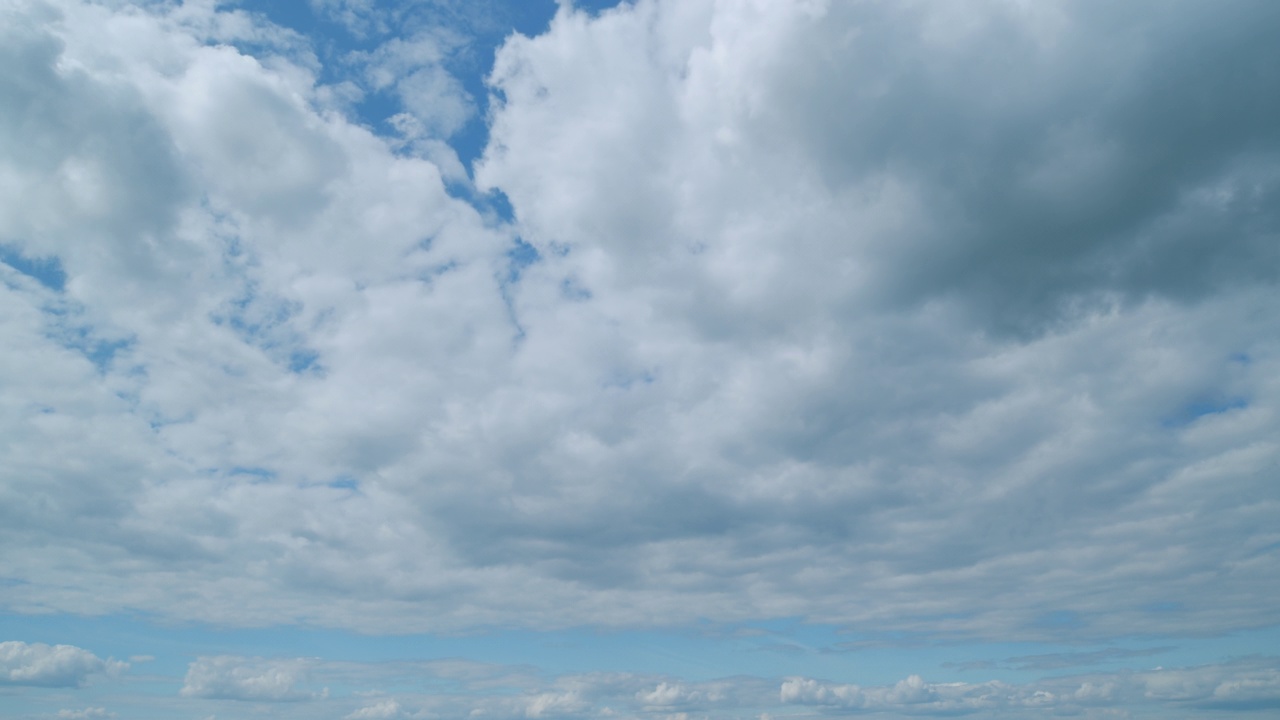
{"x":303,"y":360}
{"x":65,"y":325}
{"x":1203,"y":407}
{"x":598,"y":6}
{"x":520,"y":256}
{"x":265,"y":323}
{"x":47,"y":271}
{"x":484,"y":28}
{"x":335,"y":42}
{"x":345,"y":482}
{"x":254,"y":474}
{"x":102,"y":353}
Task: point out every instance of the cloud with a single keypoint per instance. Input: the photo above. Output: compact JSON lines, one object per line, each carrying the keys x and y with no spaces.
{"x":228,"y":677}
{"x":433,"y":689}
{"x":37,"y":664}
{"x":377,"y":711}
{"x":889,"y":316}
{"x":668,"y":695}
{"x":1054,"y":661}
{"x":86,"y":714}
{"x":1253,"y":685}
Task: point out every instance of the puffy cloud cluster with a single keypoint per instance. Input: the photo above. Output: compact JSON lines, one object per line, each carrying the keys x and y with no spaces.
{"x":43,"y":665}
{"x":924,"y":317}
{"x":669,"y":695}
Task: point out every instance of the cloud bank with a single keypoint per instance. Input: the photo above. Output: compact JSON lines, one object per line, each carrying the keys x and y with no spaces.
{"x":285,"y":688}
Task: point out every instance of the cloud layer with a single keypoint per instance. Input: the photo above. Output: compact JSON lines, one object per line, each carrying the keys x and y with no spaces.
{"x":897,"y":316}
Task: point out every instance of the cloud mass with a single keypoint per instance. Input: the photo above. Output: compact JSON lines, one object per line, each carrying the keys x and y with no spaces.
{"x":759,"y":368}
{"x":949,"y":322}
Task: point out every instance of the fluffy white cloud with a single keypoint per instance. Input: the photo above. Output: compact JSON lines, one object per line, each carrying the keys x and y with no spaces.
{"x":881,"y":314}
{"x":51,"y":665}
{"x":227,"y":677}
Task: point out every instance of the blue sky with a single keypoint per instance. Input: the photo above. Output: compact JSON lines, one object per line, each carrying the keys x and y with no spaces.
{"x":666,"y":359}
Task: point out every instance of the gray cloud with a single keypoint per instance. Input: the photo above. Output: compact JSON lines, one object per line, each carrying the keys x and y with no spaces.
{"x":1059,"y":153}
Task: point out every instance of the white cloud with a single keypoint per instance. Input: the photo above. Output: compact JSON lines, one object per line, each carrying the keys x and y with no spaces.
{"x":414,"y":69}
{"x":51,"y":665}
{"x":228,"y":677}
{"x":86,"y":714}
{"x":667,"y":694}
{"x":377,"y":711}
{"x":554,"y":704}
{"x":1241,"y":685}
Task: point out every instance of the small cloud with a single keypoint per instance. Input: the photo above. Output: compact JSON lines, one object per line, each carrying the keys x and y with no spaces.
{"x":236,"y":678}
{"x":85,"y":714}
{"x":553,"y":704}
{"x":378,"y":711}
{"x":37,"y":664}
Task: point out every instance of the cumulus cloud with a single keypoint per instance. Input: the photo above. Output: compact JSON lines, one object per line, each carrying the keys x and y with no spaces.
{"x":51,"y":665}
{"x":668,"y":695}
{"x":227,"y":677}
{"x":377,"y":711}
{"x":889,"y":315}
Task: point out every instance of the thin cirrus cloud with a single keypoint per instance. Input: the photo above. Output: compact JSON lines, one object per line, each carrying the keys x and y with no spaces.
{"x":935,"y":322}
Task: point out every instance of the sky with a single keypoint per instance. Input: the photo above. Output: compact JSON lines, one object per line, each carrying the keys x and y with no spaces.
{"x":663,"y":359}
